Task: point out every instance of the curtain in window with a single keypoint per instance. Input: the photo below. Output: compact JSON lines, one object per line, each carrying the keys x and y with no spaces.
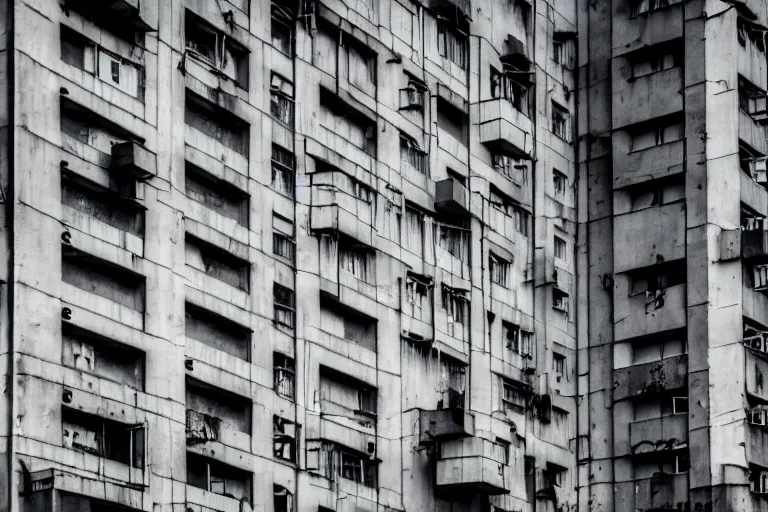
{"x":413,"y":236}
{"x":429,"y":240}
{"x":339,"y":394}
{"x":329,"y":262}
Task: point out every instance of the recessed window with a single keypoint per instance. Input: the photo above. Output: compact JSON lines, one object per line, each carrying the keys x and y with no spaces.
{"x":284,"y":375}
{"x":283,"y":165}
{"x":657,"y":192}
{"x":281,"y":99}
{"x":664,"y":132}
{"x":561,"y":122}
{"x":559,"y":182}
{"x":282,"y":29}
{"x":561,"y":249}
{"x":285,"y":434}
{"x":500,"y":270}
{"x":558,"y":364}
{"x":285,"y":304}
{"x":505,"y":86}
{"x":211,"y":46}
{"x":283,"y":244}
{"x":411,"y":155}
{"x":638,"y":7}
{"x":452,"y":43}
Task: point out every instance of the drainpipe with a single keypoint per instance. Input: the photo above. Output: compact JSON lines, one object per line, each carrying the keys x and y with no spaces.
{"x":10,"y":212}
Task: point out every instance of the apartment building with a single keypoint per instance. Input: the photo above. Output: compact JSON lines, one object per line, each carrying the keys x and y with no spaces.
{"x":312,"y":255}
{"x":672,"y":153}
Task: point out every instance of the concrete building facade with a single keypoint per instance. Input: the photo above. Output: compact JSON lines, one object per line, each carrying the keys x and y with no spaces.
{"x":321,"y":255}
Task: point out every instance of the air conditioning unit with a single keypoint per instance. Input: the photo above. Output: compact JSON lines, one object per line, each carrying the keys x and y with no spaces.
{"x":757,"y":417}
{"x":759,"y":168}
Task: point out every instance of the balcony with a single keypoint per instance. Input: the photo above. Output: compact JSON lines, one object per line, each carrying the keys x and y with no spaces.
{"x":650,"y":378}
{"x":643,"y":315}
{"x":472,"y":465}
{"x":123,"y":12}
{"x":451,"y":196}
{"x":340,"y":203}
{"x":752,"y":64}
{"x":445,"y":424}
{"x":464,"y":6}
{"x":664,"y":433}
{"x":648,"y":96}
{"x":651,"y":163}
{"x":662,"y":491}
{"x":752,"y":131}
{"x":131,"y":159}
{"x":505,"y":129}
{"x":754,"y":244}
{"x":757,"y":447}
{"x":642,"y":236}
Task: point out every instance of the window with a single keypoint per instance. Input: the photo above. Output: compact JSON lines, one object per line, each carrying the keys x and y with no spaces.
{"x":638,"y":7}
{"x":559,"y":300}
{"x":758,"y":481}
{"x":561,"y":249}
{"x":663,"y":133}
{"x":283,"y":499}
{"x":758,"y":416}
{"x":499,"y":269}
{"x":217,"y":123}
{"x":358,"y":260}
{"x":455,"y":303}
{"x":99,"y":203}
{"x":452,"y":120}
{"x":282,"y":237}
{"x":281,"y":99}
{"x":114,"y":283}
{"x":414,"y":231}
{"x":213,"y":47}
{"x":284,"y":436}
{"x":558,"y":364}
{"x":88,"y":352}
{"x":359,"y":468}
{"x":514,"y":396}
{"x":108,"y":67}
{"x":284,"y":305}
{"x":418,"y":297}
{"x":657,"y":192}
{"x":217,"y":263}
{"x":104,"y":438}
{"x":657,"y":278}
{"x":559,"y":182}
{"x":760,"y":278}
{"x":361,"y":64}
{"x":217,"y":407}
{"x":283,"y":164}
{"x":753,"y":100}
{"x":656,"y":59}
{"x":561,"y":122}
{"x":506,"y":216}
{"x":505,"y":86}
{"x":526,"y":344}
{"x":558,"y":51}
{"x":216,"y":194}
{"x":285,"y":375}
{"x":452,"y":43}
{"x":513,"y":169}
{"x":347,"y":395}
{"x":410,"y":154}
{"x":521,"y":220}
{"x":554,"y":475}
{"x":503,"y":447}
{"x":282,"y":29}
{"x":218,"y":478}
{"x":511,"y":335}
{"x":455,"y":241}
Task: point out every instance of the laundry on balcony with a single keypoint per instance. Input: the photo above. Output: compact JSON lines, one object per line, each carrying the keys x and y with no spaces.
{"x":201,"y":427}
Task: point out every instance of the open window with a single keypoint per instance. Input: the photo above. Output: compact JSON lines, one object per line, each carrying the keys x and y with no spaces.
{"x":206,"y":43}
{"x":411,"y":155}
{"x":283,"y":169}
{"x":285,"y":304}
{"x":560,"y":300}
{"x":284,"y":375}
{"x":758,"y":480}
{"x":281,"y":99}
{"x":283,"y":499}
{"x":219,"y":478}
{"x":512,"y":88}
{"x":282,"y":28}
{"x":500,"y":270}
{"x":104,"y":438}
{"x":120,"y":17}
{"x":285,"y":435}
{"x":418,"y":296}
{"x":515,"y":395}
